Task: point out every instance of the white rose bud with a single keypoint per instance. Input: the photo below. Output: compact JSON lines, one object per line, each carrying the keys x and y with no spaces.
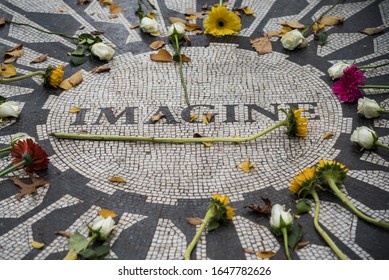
{"x":336,"y":70}
{"x":10,"y":109}
{"x":280,"y":218}
{"x":293,"y":39}
{"x":149,"y":25}
{"x":102,"y":51}
{"x":177,"y":28}
{"x":104,"y":226}
{"x":364,"y":136}
{"x":15,"y":138}
{"x":369,"y":108}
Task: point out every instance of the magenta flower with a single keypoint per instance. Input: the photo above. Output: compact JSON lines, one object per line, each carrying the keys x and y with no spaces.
{"x":346,"y":88}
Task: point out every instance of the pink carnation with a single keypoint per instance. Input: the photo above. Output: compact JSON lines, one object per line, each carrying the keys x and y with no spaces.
{"x":346,"y":88}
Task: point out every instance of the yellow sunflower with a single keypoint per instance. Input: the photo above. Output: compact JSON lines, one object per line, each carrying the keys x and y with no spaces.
{"x":303,"y":181}
{"x":223,"y":199}
{"x":221,"y":22}
{"x":53,"y":76}
{"x":331,"y":170}
{"x":296,"y":125}
{"x":230,"y":213}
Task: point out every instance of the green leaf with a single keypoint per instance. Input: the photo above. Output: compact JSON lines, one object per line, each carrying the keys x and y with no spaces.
{"x":78,"y":60}
{"x":213,"y":225}
{"x":77,"y":242}
{"x":321,"y":38}
{"x":2,"y":99}
{"x":295,"y":236}
{"x":79,"y":51}
{"x":302,"y":207}
{"x":87,"y":253}
{"x":90,"y":41}
{"x":101,"y":251}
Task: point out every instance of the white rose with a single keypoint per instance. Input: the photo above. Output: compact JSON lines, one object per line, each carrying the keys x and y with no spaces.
{"x":104,"y":226}
{"x":278,"y":212}
{"x":364,"y":136}
{"x":293,"y":39}
{"x":369,"y":108}
{"x":9,"y":109}
{"x":102,"y":51}
{"x":177,"y":28}
{"x":336,"y":70}
{"x":15,"y":138}
{"x":149,"y":25}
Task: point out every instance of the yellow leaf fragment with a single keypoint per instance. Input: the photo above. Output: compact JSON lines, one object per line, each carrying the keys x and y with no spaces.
{"x":328,"y":135}
{"x":191,"y":17}
{"x":248,"y":11}
{"x":157,"y":45}
{"x":284,"y":30}
{"x":176,"y":19}
{"x":192,"y":26}
{"x":40,"y":58}
{"x":115,"y":9}
{"x":317,"y":27}
{"x":100,"y":69}
{"x":75,"y":110}
{"x":116,"y":179}
{"x":207,"y":144}
{"x":151,"y":15}
{"x":162,"y":56}
{"x":7,"y":70}
{"x":157,"y":117}
{"x":292,"y":24}
{"x":331,"y":20}
{"x":133,"y":26}
{"x":105,"y":2}
{"x":76,"y":78}
{"x":265,"y":254}
{"x":246,"y":166}
{"x":66,"y":234}
{"x":65,"y":84}
{"x":262,"y":45}
{"x":105,"y":213}
{"x":37,"y":245}
{"x":194,"y":221}
{"x":155,"y":34}
{"x":71,"y":255}
{"x":193,"y":117}
{"x":207,"y":117}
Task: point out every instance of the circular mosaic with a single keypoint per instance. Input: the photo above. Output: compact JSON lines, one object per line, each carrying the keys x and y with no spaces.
{"x":244,"y":91}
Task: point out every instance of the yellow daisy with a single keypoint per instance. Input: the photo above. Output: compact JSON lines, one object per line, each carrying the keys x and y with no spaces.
{"x":221,"y":22}
{"x":53,"y":76}
{"x":305,"y":180}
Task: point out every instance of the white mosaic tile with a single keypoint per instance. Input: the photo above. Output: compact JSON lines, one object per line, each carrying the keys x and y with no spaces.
{"x":337,"y":41}
{"x":316,"y":252}
{"x":375,"y":178}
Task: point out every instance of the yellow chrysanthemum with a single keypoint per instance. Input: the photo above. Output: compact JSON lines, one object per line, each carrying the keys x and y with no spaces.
{"x":224,"y":199}
{"x":53,"y":76}
{"x":230,"y":213}
{"x":296,"y":125}
{"x":303,"y":180}
{"x":221,"y":22}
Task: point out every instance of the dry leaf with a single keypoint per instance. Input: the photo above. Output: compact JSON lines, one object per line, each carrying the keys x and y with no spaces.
{"x":207,"y":117}
{"x":237,"y":13}
{"x":116,"y":179}
{"x":301,"y":244}
{"x":112,"y":16}
{"x":65,"y":84}
{"x":97,"y":32}
{"x":284,"y":30}
{"x":265,"y":254}
{"x":248,"y":250}
{"x":115,"y":9}
{"x":317,"y":27}
{"x":197,"y":32}
{"x":100,"y":69}
{"x":105,"y":213}
{"x":206,"y":144}
{"x":151,"y":15}
{"x":331,"y":20}
{"x":157,"y":117}
{"x":75,"y":110}
{"x":192,"y":26}
{"x":76,"y":78}
{"x":155,"y":34}
{"x":162,"y":56}
{"x":328,"y":135}
{"x":37,"y":245}
{"x":82,"y":2}
{"x":133,"y":26}
{"x":2,"y":21}
{"x":204,"y":7}
{"x":266,"y":210}
{"x":157,"y":45}
{"x":272,"y":34}
{"x":262,"y":45}
{"x":248,"y":11}
{"x":194,"y":221}
{"x":62,"y":10}
{"x":176,"y":19}
{"x":106,"y":2}
{"x":246,"y":166}
{"x":191,"y":17}
{"x":193,"y":117}
{"x":372,"y":30}
{"x":292,"y":24}
{"x":185,"y":58}
{"x":40,"y":58}
{"x":12,"y":54}
{"x":28,"y":188}
{"x":7,"y":70}
{"x":66,"y":234}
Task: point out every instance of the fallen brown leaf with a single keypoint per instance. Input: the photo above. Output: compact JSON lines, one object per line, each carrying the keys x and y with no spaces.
{"x":133,"y":26}
{"x":266,"y":210}
{"x":189,"y":11}
{"x":331,"y":20}
{"x":115,"y":9}
{"x":112,"y":16}
{"x":207,"y":117}
{"x":105,"y":2}
{"x":192,"y":26}
{"x":157,"y":45}
{"x":194,"y":221}
{"x":97,"y":32}
{"x":265,"y":254}
{"x":248,"y":250}
{"x":248,"y":11}
{"x":40,"y":58}
{"x":162,"y":56}
{"x":272,"y":34}
{"x":62,"y":10}
{"x":204,"y":7}
{"x":185,"y":58}
{"x":12,"y":54}
{"x":100,"y":69}
{"x":105,"y":213}
{"x":82,"y":2}
{"x":262,"y":45}
{"x":66,"y":234}
{"x":116,"y":179}
{"x":157,"y":117}
{"x":2,"y":21}
{"x":301,"y":244}
{"x":372,"y":30}
{"x":284,"y":30}
{"x":191,"y":17}
{"x":176,"y":19}
{"x":292,"y":24}
{"x":7,"y":70}
{"x":28,"y":188}
{"x":65,"y":84}
{"x":76,"y":78}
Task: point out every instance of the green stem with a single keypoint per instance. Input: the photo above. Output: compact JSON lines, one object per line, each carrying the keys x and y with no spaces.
{"x":95,"y":137}
{"x":323,"y":234}
{"x":6,"y":149}
{"x":180,"y":69}
{"x":6,"y":80}
{"x":12,"y":168}
{"x":221,"y":2}
{"x":208,"y":216}
{"x":372,"y":66}
{"x":93,"y":237}
{"x":379,"y":144}
{"x":375,"y":86}
{"x":42,"y":30}
{"x":368,"y":219}
{"x":285,"y":236}
{"x":320,"y":17}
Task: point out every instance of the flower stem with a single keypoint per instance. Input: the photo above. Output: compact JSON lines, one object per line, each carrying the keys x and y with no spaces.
{"x":379,"y":144}
{"x":375,"y":86}
{"x":339,"y":194}
{"x":323,"y":234}
{"x":76,"y":136}
{"x":12,"y":168}
{"x":320,"y":17}
{"x":221,"y":2}
{"x":372,"y":66}
{"x":285,"y":236}
{"x":6,"y":80}
{"x":41,"y":30}
{"x":6,"y":149}
{"x":180,"y":69}
{"x":93,"y":237}
{"x":208,"y":216}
